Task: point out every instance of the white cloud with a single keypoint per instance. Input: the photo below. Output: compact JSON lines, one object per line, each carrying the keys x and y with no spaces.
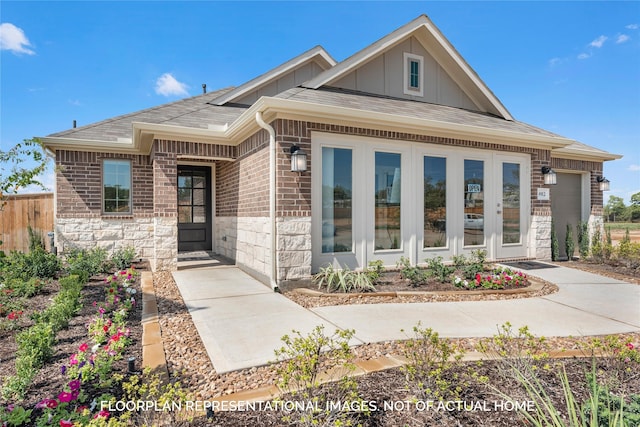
{"x":622,"y":38}
{"x":598,"y":42}
{"x":555,"y":61}
{"x":632,"y":26}
{"x":634,"y":168}
{"x":13,"y":39}
{"x":584,"y":56}
{"x":75,"y":102}
{"x":167,"y":85}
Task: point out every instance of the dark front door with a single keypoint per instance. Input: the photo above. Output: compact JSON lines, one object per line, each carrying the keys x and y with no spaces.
{"x":194,"y":208}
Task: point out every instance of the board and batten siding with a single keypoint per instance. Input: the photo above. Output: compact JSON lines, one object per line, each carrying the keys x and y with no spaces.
{"x":383,"y":75}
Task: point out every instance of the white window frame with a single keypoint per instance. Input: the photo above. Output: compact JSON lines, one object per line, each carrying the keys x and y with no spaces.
{"x":102,"y":195}
{"x":408,"y":58}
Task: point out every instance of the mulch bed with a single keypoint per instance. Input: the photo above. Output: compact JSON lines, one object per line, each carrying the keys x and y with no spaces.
{"x":49,"y":380}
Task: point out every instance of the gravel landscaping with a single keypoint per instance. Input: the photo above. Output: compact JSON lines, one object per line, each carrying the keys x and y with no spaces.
{"x":187,"y":358}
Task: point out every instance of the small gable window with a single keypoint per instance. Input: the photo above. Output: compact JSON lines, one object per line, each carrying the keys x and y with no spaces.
{"x":413,"y":74}
{"x":116,"y":186}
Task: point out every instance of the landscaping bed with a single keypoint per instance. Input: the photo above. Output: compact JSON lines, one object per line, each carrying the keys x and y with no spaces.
{"x":187,"y":360}
{"x":71,"y":337}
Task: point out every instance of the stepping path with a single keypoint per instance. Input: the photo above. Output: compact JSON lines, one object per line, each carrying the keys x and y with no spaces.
{"x":241,"y":321}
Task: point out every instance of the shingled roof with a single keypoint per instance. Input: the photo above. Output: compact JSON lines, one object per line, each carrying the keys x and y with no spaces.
{"x":195,"y":112}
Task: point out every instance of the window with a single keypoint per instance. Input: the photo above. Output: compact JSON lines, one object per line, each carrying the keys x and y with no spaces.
{"x":192,"y":198}
{"x":473,"y":202}
{"x":387,"y":201}
{"x":116,"y":186}
{"x":435,"y":202}
{"x":337,"y":214}
{"x":413,"y":74}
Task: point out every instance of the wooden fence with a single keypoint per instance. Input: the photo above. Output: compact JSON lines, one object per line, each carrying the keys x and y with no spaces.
{"x":21,"y":211}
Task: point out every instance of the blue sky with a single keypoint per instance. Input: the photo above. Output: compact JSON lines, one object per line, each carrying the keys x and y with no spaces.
{"x":569,"y":67}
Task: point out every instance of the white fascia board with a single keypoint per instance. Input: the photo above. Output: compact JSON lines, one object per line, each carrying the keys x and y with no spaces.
{"x":588,"y":155}
{"x":291,"y":109}
{"x":74,"y":144}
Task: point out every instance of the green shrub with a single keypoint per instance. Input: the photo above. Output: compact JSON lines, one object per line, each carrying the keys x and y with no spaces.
{"x":15,"y":386}
{"x":583,"y":239}
{"x":597,"y":245}
{"x":608,"y":246}
{"x":65,"y":304}
{"x":375,"y":270}
{"x":569,"y":244}
{"x":123,"y":257}
{"x":555,"y":247}
{"x":431,"y":368}
{"x":37,"y":263}
{"x":36,"y":343}
{"x":24,"y":288}
{"x":519,"y":351}
{"x":87,"y":263}
{"x":306,"y":362}
{"x":412,"y":273}
{"x":439,"y":270}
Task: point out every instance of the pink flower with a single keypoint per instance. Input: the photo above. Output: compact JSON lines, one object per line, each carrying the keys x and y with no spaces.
{"x":47,"y":403}
{"x":74,"y":385}
{"x":73,"y":360}
{"x":83,"y":347}
{"x":102,"y":414}
{"x":65,"y":397}
{"x":630,"y":346}
{"x":65,"y":423}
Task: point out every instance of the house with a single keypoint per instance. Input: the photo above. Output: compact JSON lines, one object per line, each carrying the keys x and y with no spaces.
{"x":405,"y":152}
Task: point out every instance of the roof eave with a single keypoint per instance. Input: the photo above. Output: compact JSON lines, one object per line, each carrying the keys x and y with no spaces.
{"x":291,"y":109}
{"x":143,"y":134}
{"x":576,"y":154}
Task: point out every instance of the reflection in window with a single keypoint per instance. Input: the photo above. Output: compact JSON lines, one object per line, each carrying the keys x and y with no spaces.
{"x":473,"y":202}
{"x":116,"y":186}
{"x":337,"y":214}
{"x":510,"y":203}
{"x":192,"y":197}
{"x":435,"y":202}
{"x":387,"y":201}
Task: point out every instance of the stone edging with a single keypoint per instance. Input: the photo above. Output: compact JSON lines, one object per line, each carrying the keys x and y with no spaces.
{"x":536,"y":285}
{"x":362,"y":367}
{"x":152,"y":347}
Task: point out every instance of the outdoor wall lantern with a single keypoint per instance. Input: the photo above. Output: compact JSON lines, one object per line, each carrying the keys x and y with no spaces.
{"x":549,"y":175}
{"x":298,"y":159}
{"x":604,"y":183}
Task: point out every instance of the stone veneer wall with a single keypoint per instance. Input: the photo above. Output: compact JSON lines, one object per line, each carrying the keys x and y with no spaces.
{"x":109,"y":234}
{"x":294,"y":248}
{"x":247,"y":240}
{"x":540,"y":236}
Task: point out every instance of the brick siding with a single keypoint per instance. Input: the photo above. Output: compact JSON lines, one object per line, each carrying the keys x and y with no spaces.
{"x":242,"y":186}
{"x":79,"y":183}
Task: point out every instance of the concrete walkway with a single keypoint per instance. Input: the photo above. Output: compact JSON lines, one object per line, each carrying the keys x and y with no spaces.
{"x":241,"y":321}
